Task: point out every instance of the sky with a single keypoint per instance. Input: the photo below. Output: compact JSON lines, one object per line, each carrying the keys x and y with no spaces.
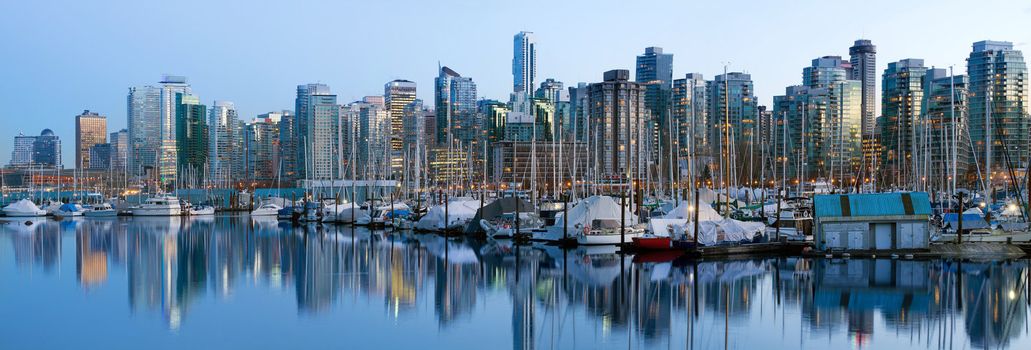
{"x":58,"y":58}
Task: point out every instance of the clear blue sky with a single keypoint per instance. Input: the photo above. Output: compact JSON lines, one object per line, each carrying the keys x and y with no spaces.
{"x":61,"y":57}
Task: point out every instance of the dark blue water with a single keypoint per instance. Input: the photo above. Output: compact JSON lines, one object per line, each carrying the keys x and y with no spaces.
{"x":234,"y":282}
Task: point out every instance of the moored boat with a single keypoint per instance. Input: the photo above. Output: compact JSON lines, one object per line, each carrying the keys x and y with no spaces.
{"x":24,"y":208}
{"x":163,"y":205}
{"x":101,"y":210}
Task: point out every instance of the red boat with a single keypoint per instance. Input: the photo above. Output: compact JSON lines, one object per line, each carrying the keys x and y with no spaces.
{"x":653,"y":242}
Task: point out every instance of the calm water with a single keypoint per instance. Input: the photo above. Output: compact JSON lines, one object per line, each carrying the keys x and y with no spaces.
{"x":234,"y":282}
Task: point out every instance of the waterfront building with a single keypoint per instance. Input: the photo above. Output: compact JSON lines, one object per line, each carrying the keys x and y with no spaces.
{"x":261,"y":145}
{"x":818,"y":127}
{"x":947,"y":150}
{"x":690,"y":118}
{"x":171,"y":86}
{"x":143,"y":111}
{"x":617,"y":117}
{"x":732,"y":123}
{"x":120,"y":149}
{"x":226,"y":142}
{"x":191,"y":138}
{"x":100,"y":156}
{"x":998,"y":78}
{"x":399,"y":94}
{"x":578,"y":110}
{"x":902,"y":101}
{"x":872,"y":221}
{"x":455,"y":98}
{"x":655,"y":72}
{"x":524,"y":62}
{"x":21,"y":154}
{"x":90,"y":129}
{"x":513,"y":164}
{"x":316,"y":140}
{"x":46,"y":150}
{"x":374,"y":135}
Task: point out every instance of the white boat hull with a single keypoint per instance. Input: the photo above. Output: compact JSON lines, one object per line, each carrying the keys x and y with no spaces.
{"x":606,"y":239}
{"x":156,"y":212}
{"x":105,"y":213}
{"x":265,"y":212}
{"x":16,"y":213}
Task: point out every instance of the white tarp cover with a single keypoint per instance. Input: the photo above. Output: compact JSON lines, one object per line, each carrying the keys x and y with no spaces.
{"x":591,"y":208}
{"x":705,"y":213}
{"x":459,"y":210}
{"x":720,"y":231}
{"x":22,"y":206}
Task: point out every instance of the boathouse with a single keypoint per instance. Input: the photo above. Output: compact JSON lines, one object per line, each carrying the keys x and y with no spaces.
{"x":870,"y":222}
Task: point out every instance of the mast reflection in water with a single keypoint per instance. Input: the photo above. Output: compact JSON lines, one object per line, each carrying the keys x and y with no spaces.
{"x":242,"y":282}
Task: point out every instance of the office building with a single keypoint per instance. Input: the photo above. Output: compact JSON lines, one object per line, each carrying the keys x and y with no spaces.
{"x":171,"y":86}
{"x":946,"y":150}
{"x":46,"y":150}
{"x":261,"y":149}
{"x":143,"y":111}
{"x":311,"y":131}
{"x":21,"y":154}
{"x":191,"y":139}
{"x":120,"y":149}
{"x":551,"y":90}
{"x":100,"y":156}
{"x":863,"y":62}
{"x":90,"y":129}
{"x":455,"y":104}
{"x":732,"y":124}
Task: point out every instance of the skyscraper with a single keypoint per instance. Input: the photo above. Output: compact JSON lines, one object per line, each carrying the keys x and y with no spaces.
{"x":143,"y":111}
{"x":617,"y":115}
{"x":690,"y":116}
{"x":90,"y":129}
{"x":191,"y":138}
{"x":321,"y":139}
{"x":524,"y":62}
{"x":863,"y":59}
{"x":733,"y":117}
{"x":46,"y":150}
{"x":999,"y":79}
{"x":655,"y":72}
{"x":455,"y":98}
{"x":120,"y":149}
{"x":946,"y":130}
{"x":22,"y":153}
{"x":902,"y":101}
{"x":398,"y":94}
{"x":817,"y":126}
{"x":167,"y":158}
{"x":373,"y":140}
{"x":299,"y":145}
{"x":261,"y":148}
{"x":225,"y":141}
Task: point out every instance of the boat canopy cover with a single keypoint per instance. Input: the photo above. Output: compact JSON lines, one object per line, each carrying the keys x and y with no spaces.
{"x":70,"y":207}
{"x":495,"y":209}
{"x":720,"y":231}
{"x":970,"y":221}
{"x":23,"y":206}
{"x":591,"y":208}
{"x":459,"y":209}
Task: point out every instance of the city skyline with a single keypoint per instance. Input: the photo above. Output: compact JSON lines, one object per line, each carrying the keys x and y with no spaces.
{"x":225,"y":67}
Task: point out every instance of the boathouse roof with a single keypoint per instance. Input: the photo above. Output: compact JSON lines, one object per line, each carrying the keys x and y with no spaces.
{"x":872,"y":204}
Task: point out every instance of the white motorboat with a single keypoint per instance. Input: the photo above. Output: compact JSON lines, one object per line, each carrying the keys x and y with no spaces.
{"x":24,"y":208}
{"x":504,"y":226}
{"x":102,"y":210}
{"x":267,"y":209}
{"x":69,"y":210}
{"x":164,"y":205}
{"x":199,"y":210}
{"x":344,"y":213}
{"x":608,"y":232}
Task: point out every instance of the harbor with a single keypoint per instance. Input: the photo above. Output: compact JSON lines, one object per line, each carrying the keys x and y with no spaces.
{"x":233,"y":280}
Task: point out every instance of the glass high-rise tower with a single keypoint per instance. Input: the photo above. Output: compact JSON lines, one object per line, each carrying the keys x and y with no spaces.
{"x":998,"y":79}
{"x":524,"y":62}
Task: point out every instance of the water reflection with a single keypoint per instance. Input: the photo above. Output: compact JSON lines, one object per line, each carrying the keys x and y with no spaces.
{"x":533,"y":296}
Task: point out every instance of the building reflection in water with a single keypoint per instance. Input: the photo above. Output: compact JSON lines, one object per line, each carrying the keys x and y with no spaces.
{"x":556,"y":296}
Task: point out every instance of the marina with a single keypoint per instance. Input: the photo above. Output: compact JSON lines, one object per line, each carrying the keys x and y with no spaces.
{"x":242,"y":281}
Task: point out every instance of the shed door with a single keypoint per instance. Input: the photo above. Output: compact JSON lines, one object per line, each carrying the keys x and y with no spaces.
{"x":855,"y":240}
{"x":882,"y":235}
